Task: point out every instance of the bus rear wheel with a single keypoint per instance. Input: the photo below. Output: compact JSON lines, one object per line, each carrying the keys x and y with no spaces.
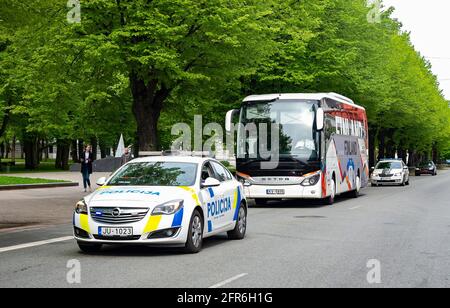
{"x":355,"y":193}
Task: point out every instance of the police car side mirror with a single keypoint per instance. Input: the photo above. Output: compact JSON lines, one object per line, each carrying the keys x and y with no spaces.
{"x":102,"y":181}
{"x":210,"y":182}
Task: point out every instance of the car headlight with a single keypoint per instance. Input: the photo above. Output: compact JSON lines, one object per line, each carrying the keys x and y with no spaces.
{"x":398,"y":174}
{"x":81,"y":207}
{"x":311,"y":180}
{"x":168,"y":208}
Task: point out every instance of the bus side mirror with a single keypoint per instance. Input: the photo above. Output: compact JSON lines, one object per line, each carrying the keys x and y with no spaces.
{"x":320,"y":119}
{"x":229,"y":119}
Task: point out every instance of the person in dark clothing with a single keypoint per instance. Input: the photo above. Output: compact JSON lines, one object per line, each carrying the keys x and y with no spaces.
{"x":87,"y":158}
{"x":127,"y":156}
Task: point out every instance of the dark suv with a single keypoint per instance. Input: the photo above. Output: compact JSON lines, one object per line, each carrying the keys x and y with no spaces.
{"x":427,"y":168}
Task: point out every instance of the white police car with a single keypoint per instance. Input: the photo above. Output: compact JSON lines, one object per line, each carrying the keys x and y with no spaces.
{"x":162,"y":201}
{"x":390,"y":172}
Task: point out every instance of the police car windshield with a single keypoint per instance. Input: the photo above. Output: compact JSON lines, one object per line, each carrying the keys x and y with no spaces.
{"x":389,"y":165}
{"x":156,"y":174}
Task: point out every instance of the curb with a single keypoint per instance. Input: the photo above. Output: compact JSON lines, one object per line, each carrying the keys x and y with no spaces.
{"x":37,"y":186}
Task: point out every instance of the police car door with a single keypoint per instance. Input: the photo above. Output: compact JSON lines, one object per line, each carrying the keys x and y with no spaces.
{"x":210,"y":197}
{"x":225,"y":206}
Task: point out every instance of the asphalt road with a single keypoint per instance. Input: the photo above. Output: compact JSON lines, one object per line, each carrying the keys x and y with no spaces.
{"x":289,"y":244}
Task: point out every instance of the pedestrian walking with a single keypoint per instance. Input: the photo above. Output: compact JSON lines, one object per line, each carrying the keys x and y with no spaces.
{"x":127,"y":156}
{"x":87,"y":158}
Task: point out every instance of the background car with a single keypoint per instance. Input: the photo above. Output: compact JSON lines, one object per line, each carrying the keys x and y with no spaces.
{"x":390,"y":172}
{"x":162,"y":201}
{"x":429,"y":168}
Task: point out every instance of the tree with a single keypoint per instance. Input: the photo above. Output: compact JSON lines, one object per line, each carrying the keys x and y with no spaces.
{"x":171,"y":44}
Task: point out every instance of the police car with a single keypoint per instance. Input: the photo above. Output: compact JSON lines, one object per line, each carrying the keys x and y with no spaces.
{"x":162,"y":201}
{"x":390,"y":172}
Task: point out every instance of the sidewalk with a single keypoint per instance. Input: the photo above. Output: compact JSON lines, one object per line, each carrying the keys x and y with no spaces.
{"x":47,"y":206}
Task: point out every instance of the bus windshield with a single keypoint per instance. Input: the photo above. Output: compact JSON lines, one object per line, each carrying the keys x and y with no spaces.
{"x":296,"y":118}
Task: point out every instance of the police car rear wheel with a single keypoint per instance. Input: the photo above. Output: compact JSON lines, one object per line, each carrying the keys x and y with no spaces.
{"x":195,"y":237}
{"x":241,"y":225}
{"x":89,"y":248}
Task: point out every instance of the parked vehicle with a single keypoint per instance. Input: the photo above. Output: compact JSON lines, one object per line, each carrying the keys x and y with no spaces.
{"x":162,"y":201}
{"x":390,"y":172}
{"x":325,"y":150}
{"x":429,"y":168}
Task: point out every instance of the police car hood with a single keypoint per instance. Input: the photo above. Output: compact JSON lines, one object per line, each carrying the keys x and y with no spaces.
{"x":136,"y":196}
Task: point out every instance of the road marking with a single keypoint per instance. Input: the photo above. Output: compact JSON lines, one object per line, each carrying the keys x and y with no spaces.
{"x":355,"y":208}
{"x":225,"y":282}
{"x":35,"y":244}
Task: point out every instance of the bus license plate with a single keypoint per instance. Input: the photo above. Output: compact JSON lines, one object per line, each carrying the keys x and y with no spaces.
{"x":275,"y":192}
{"x":115,"y":232}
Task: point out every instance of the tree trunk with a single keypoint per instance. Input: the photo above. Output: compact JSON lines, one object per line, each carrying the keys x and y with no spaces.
{"x":381,"y":145}
{"x":74,"y":151}
{"x":80,"y":148}
{"x":13,"y":149}
{"x":62,"y":154}
{"x":31,"y":151}
{"x":402,"y":154}
{"x":148,"y":100}
{"x":94,"y":144}
{"x":435,"y":154}
{"x":105,"y":150}
{"x":372,"y":137}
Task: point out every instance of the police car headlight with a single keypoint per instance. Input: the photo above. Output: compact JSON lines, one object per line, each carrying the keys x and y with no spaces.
{"x":81,"y":207}
{"x":312,"y":180}
{"x":168,"y":208}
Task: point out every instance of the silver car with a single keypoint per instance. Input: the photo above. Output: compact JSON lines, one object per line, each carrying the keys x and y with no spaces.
{"x":390,"y":172}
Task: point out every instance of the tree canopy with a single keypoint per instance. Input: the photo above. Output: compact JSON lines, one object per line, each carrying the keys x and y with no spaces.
{"x":138,"y":67}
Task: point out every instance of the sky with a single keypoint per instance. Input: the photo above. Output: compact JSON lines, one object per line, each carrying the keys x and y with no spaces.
{"x":429,"y":24}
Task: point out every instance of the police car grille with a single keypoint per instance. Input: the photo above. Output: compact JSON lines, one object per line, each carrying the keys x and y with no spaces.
{"x":127,"y":215}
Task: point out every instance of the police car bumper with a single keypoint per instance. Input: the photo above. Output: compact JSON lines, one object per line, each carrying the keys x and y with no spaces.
{"x":283,"y":192}
{"x":151,"y":231}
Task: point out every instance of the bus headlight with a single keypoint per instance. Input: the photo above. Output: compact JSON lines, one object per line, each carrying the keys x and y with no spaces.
{"x":312,"y":180}
{"x":245,"y":179}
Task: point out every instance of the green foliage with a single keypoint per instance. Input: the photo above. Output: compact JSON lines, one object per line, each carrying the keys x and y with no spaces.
{"x":78,"y":81}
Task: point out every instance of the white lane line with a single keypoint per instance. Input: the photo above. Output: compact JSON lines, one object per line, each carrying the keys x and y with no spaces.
{"x":34,"y":244}
{"x":355,"y":208}
{"x":225,"y":282}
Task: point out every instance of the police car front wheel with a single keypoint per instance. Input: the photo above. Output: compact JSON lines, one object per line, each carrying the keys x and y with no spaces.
{"x":195,"y":236}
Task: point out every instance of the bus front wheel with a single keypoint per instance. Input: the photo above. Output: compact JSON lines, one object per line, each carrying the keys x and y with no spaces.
{"x":261,"y":202}
{"x":330,"y":200}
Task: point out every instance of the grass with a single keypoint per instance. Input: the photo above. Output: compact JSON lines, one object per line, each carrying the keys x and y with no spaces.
{"x":44,"y":166}
{"x":9,"y":180}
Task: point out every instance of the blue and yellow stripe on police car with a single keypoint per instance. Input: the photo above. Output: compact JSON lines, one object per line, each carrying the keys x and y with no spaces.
{"x":84,"y":223}
{"x":237,"y":203}
{"x":153,"y":224}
